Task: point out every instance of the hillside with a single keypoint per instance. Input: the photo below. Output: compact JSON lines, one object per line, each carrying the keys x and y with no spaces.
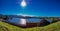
{"x":7,"y":27}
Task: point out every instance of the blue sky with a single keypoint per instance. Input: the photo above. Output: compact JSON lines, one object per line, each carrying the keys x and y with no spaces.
{"x":34,"y":7}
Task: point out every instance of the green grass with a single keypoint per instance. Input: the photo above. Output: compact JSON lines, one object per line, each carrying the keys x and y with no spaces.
{"x":51,"y":27}
{"x":7,"y":27}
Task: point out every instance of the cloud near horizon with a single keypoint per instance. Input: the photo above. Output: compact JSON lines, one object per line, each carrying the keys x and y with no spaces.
{"x":26,"y":15}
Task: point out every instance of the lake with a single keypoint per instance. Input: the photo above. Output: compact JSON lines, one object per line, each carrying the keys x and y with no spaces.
{"x":18,"y":20}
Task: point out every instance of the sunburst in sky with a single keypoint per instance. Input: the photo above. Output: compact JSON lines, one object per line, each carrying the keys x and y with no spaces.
{"x":23,"y":3}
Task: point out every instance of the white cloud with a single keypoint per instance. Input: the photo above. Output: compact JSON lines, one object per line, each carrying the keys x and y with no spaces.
{"x":26,"y":15}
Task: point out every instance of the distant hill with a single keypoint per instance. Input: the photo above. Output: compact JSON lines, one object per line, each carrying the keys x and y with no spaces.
{"x":28,"y":16}
{"x":7,"y":27}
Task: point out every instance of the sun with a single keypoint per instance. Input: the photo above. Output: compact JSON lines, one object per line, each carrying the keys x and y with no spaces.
{"x":23,"y":3}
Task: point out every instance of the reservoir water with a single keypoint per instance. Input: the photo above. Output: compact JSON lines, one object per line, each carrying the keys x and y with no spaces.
{"x":23,"y":21}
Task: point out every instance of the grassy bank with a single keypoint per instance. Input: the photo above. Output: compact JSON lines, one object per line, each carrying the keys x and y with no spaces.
{"x":7,"y":27}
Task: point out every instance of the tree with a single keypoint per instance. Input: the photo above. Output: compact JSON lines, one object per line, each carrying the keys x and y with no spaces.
{"x":43,"y":22}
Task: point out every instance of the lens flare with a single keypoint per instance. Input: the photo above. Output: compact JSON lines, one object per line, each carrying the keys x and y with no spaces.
{"x":23,"y":3}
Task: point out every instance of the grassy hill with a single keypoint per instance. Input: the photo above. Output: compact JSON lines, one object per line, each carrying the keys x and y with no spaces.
{"x":7,"y":27}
